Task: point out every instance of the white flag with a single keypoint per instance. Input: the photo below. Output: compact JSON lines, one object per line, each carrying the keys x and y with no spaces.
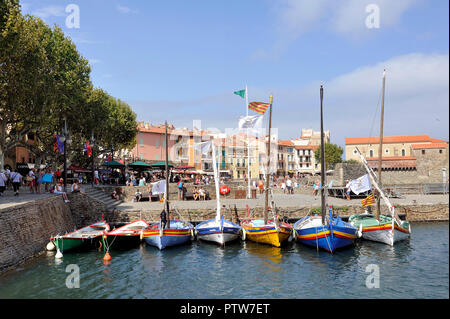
{"x":159,"y":187}
{"x":251,"y":122}
{"x":204,"y":147}
{"x":360,"y":184}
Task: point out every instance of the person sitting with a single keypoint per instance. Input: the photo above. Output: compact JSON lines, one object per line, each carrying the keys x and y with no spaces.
{"x":76,"y":187}
{"x":114,"y":195}
{"x":316,"y":188}
{"x":202,"y":194}
{"x":196,"y":194}
{"x":137,"y":196}
{"x":59,"y":190}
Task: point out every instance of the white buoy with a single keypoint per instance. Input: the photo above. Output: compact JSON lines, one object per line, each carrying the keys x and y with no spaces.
{"x":58,"y":254}
{"x":242,"y":233}
{"x":50,"y":246}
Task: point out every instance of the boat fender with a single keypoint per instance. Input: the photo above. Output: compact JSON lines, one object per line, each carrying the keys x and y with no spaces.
{"x":50,"y":246}
{"x":141,"y":236}
{"x":243,"y":235}
{"x":359,"y":231}
{"x":58,"y":254}
{"x":192,"y":234}
{"x":107,"y":257}
{"x":291,"y":236}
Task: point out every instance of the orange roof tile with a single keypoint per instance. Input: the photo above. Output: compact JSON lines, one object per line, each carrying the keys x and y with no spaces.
{"x":285,"y":143}
{"x":392,"y":158}
{"x":388,"y":139}
{"x":306,"y":147}
{"x":432,"y":145}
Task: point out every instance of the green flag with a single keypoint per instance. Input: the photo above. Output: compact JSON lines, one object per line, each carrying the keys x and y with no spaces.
{"x":241,"y":93}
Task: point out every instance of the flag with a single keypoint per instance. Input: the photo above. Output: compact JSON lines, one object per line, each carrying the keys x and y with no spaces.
{"x":252,"y":122}
{"x":361,"y":184}
{"x":159,"y":187}
{"x":58,"y":146}
{"x":369,"y":200}
{"x":87,"y":149}
{"x":258,"y":107}
{"x":241,"y":93}
{"x":55,"y":143}
{"x":203,"y":147}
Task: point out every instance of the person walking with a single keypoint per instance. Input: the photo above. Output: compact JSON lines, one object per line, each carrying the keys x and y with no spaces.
{"x":16,"y":179}
{"x":3,"y":180}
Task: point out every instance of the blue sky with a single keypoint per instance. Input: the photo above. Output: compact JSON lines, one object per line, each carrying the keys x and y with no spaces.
{"x":182,"y":60}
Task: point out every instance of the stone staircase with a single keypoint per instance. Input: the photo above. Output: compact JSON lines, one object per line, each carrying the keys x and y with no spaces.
{"x":101,"y":196}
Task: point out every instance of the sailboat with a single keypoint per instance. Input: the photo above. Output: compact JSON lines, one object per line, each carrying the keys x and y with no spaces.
{"x":175,"y":232}
{"x":216,"y":230}
{"x":319,"y":231}
{"x":380,"y":228}
{"x":267,"y":231}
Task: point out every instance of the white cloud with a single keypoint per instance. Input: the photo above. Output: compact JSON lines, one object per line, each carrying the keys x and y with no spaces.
{"x":125,"y":10}
{"x":57,"y":11}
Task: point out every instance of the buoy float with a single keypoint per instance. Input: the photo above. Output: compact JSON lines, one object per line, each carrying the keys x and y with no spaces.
{"x":59,"y":254}
{"x":141,"y":236}
{"x":50,"y":246}
{"x":107,"y":257}
{"x":242,"y":233}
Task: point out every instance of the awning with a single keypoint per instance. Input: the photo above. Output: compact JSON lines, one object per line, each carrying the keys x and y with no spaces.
{"x":78,"y":169}
{"x":160,"y":165}
{"x":114,"y":164}
{"x":139,"y":165}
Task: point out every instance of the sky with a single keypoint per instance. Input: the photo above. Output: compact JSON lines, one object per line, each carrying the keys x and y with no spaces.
{"x":181,"y":61}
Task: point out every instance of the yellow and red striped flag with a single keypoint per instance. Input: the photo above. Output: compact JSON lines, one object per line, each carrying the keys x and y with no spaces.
{"x":369,"y":200}
{"x":258,"y":107}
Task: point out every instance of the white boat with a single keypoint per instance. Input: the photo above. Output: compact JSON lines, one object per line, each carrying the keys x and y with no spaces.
{"x":216,"y":230}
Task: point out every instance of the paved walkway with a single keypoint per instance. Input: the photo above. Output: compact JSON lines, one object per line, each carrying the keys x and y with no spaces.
{"x":281,"y":200}
{"x":8,"y":199}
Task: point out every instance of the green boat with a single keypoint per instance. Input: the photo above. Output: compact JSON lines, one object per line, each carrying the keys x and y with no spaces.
{"x":86,"y":237}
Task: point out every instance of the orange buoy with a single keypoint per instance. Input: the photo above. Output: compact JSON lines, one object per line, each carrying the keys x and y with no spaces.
{"x":107,"y":257}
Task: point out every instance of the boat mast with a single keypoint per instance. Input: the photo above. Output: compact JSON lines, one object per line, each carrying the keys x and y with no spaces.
{"x":266,"y":203}
{"x":167,"y":179}
{"x":380,"y":150}
{"x":216,"y":180}
{"x":322,"y":158}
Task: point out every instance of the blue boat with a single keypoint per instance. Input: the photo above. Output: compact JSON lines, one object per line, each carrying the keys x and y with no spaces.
{"x":333,"y":235}
{"x":178,"y":233}
{"x":218,"y":231}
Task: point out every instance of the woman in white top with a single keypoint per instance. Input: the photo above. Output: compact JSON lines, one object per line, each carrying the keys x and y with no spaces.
{"x":59,"y":190}
{"x":16,"y":179}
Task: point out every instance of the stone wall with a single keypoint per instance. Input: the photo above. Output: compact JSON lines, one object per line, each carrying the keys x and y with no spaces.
{"x":26,"y":229}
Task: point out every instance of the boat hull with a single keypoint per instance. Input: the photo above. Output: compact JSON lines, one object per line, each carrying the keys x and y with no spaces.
{"x":67,"y":244}
{"x":382,"y":232}
{"x":324,"y":237}
{"x":169,"y":237}
{"x":267,"y":234}
{"x":219,"y":232}
{"x":122,"y":241}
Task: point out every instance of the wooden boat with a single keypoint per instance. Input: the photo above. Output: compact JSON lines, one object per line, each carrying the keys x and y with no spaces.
{"x":125,"y":236}
{"x":86,"y":237}
{"x":178,"y":233}
{"x":216,"y":230}
{"x":380,"y":228}
{"x":321,"y":232}
{"x":336,"y":234}
{"x":175,"y":232}
{"x":271,"y":233}
{"x":267,"y":231}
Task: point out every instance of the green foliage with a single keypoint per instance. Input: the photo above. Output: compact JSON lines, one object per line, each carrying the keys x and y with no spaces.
{"x":333,"y":155}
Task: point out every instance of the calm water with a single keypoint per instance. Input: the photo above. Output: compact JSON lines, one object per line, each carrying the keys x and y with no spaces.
{"x":418,"y":268}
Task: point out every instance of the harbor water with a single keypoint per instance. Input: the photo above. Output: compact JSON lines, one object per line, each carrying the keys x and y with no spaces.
{"x":415,"y":268}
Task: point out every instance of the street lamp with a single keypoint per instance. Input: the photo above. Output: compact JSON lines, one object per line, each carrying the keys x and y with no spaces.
{"x":65,"y":138}
{"x":92,"y":154}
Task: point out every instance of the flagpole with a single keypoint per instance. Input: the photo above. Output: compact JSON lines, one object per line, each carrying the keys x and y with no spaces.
{"x":248,"y":144}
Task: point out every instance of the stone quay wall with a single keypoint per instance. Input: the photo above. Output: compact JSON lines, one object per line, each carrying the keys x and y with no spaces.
{"x":26,"y":229}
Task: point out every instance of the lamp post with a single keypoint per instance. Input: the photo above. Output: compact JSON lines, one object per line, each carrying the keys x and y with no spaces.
{"x":65,"y":138}
{"x":92,"y":154}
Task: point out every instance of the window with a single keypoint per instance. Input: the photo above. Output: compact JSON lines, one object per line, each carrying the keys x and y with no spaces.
{"x":156,"y":157}
{"x":403,"y":152}
{"x":371,"y":153}
{"x":355,"y":151}
{"x":423,"y":152}
{"x":440,"y":151}
{"x":141,"y":156}
{"x":386,"y":151}
{"x":157,"y":143}
{"x":141,"y":142}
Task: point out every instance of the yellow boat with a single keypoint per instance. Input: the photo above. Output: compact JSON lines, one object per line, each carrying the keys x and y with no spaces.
{"x":256,"y":230}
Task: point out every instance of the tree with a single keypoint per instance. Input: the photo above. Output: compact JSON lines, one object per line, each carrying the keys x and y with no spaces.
{"x":333,"y":154}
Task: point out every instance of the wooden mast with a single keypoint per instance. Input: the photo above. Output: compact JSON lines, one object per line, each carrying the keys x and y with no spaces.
{"x":380,"y":150}
{"x":266,"y":203}
{"x":322,"y":159}
{"x":167,"y":179}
